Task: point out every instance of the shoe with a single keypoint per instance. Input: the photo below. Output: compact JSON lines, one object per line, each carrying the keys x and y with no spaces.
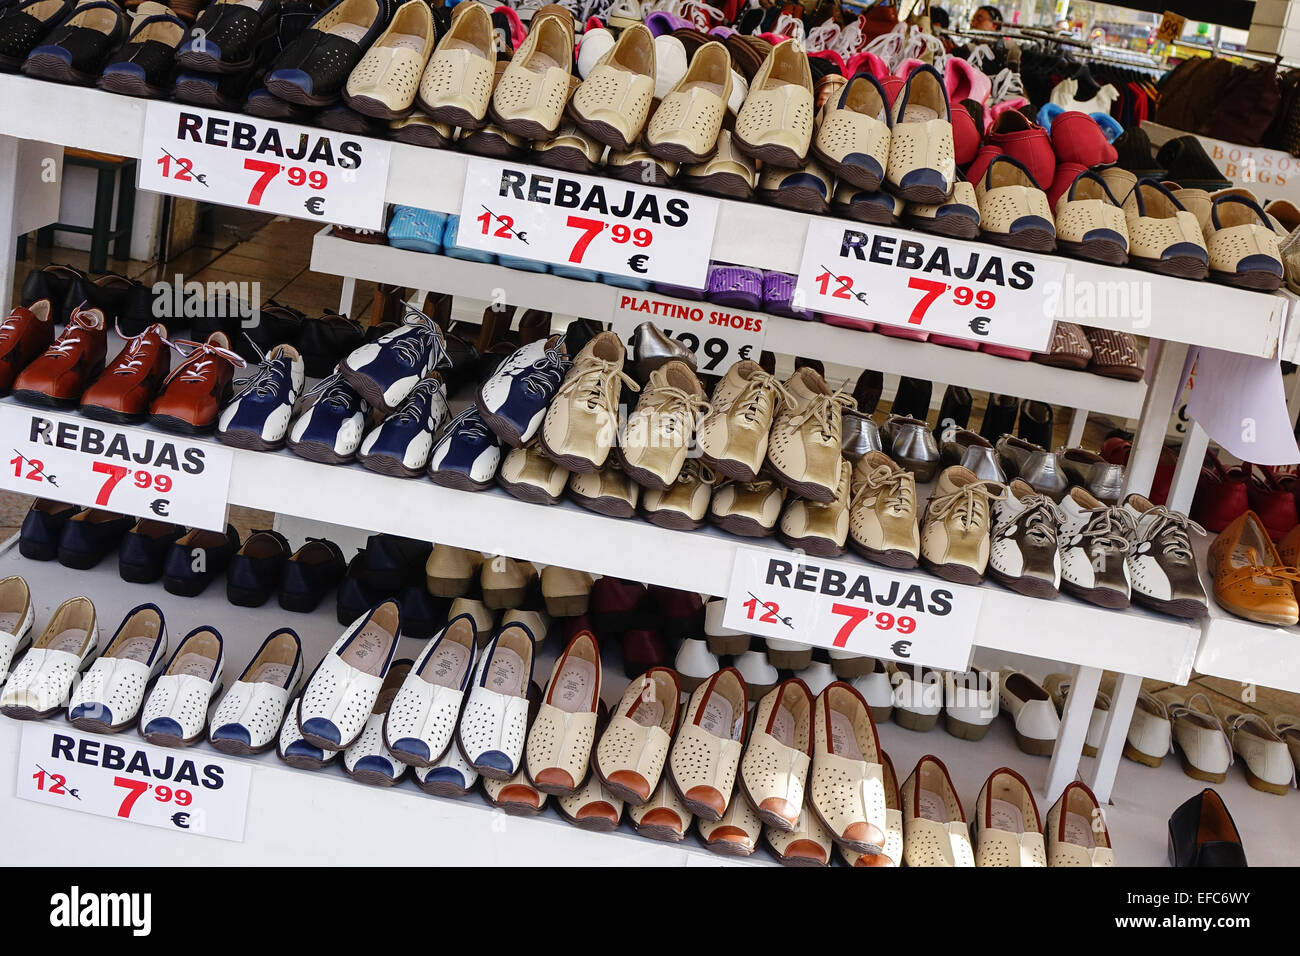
{"x":193,"y":394}
{"x":879,"y":208}
{"x":1069,"y":348}
{"x":736,"y":833}
{"x":655,"y":439}
{"x":255,"y":569}
{"x":1269,"y":500}
{"x":248,"y":719}
{"x":1090,"y":221}
{"x":1024,"y":554}
{"x":1104,"y":479}
{"x":566,"y":593}
{"x":803,"y":452}
{"x":694,"y":663}
{"x":618,"y":605}
{"x":421,"y":721}
{"x":955,"y":530}
{"x":613,"y":101}
{"x":775,"y":123}
{"x":108,"y":697}
{"x":449,"y":777}
{"x":77,"y":49}
{"x":57,"y":377}
{"x":912,"y":445}
{"x":294,"y":750}
{"x":456,"y":86}
{"x":853,"y":133}
{"x":1288,"y":728}
{"x":973,"y":452}
{"x":706,"y":754}
{"x":808,"y":844}
{"x":386,"y":371}
{"x":819,"y":529}
{"x":1202,"y":833}
{"x":467,"y":455}
{"x":1150,"y":733}
{"x":591,"y":807}
{"x":175,"y":713}
{"x":1014,"y":211}
{"x":609,"y":491}
{"x":38,"y":539}
{"x":310,"y":573}
{"x":1016,"y":136}
{"x":123,"y":391}
{"x":24,"y":336}
{"x":1264,"y":754}
{"x":1031,"y":710}
{"x":806,"y":188}
{"x":1058,"y":688}
{"x":90,"y":535}
{"x":1242,"y":245}
{"x":934,"y":824}
{"x":1160,"y":561}
{"x":581,"y":423}
{"x":1095,"y":541}
{"x":16,"y":619}
{"x":367,"y":760}
{"x":562,"y":735}
{"x":1185,"y":161}
{"x":1249,"y":577}
{"x":1007,"y":830}
{"x":196,"y":558}
{"x":921,"y":165}
{"x":687,"y":124}
{"x":315,"y":67}
{"x":1163,"y":236}
{"x":663,"y":817}
{"x":144,"y":65}
{"x":336,"y":702}
{"x":630,"y":757}
{"x":514,"y":399}
{"x":918,"y":696}
{"x":506,"y":583}
{"x":685,"y":504}
{"x":325,"y":341}
{"x":957,"y":217}
{"x":385,"y":81}
{"x":258,"y":415}
{"x":23,"y":27}
{"x":530,"y":476}
{"x":652,"y":350}
{"x":774,"y":769}
{"x":531,"y":94}
{"x":393,"y":562}
{"x":970,"y":703}
{"x":494,"y":724}
{"x":1221,"y":496}
{"x":1034,"y":465}
{"x":226,"y":37}
{"x":733,"y":436}
{"x":401,"y":444}
{"x":40,"y":683}
{"x":1206,"y":751}
{"x":846,"y":786}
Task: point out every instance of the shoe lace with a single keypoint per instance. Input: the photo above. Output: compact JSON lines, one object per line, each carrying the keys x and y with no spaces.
{"x":1040,"y":520}
{"x":1006,"y":85}
{"x":696,"y":472}
{"x":852,"y":40}
{"x":8,"y":326}
{"x":589,"y":379}
{"x":427,"y":340}
{"x":468,"y":425}
{"x":1169,"y":531}
{"x":885,"y":483}
{"x":132,"y":358}
{"x":333,"y":390}
{"x":418,"y":403}
{"x":675,"y":404}
{"x":824,"y":412}
{"x":889,"y":46}
{"x":788,"y":26}
{"x":544,"y":376}
{"x":1254,"y":569}
{"x":979,"y":54}
{"x":71,"y":336}
{"x":963,"y":503}
{"x":201,"y":361}
{"x":268,"y":380}
{"x":761,"y":398}
{"x":1108,"y":529}
{"x":919,"y":43}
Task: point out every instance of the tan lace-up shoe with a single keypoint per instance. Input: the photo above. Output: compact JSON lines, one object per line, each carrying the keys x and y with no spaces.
{"x":530,"y":476}
{"x":608,"y":492}
{"x":817,"y":528}
{"x":747,"y":508}
{"x":685,"y":504}
{"x":882,"y":512}
{"x":582,"y":421}
{"x":803,"y":450}
{"x":733,"y":437}
{"x":955,"y":532}
{"x":656,"y":437}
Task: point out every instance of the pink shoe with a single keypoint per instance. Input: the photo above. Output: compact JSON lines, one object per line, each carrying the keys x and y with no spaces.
{"x":965,"y":82}
{"x":844,"y":323}
{"x":869,"y":62}
{"x":902,"y":332}
{"x":517,"y":30}
{"x":955,"y":343}
{"x":834,"y":58}
{"x":905,"y":69}
{"x":1006,"y":351}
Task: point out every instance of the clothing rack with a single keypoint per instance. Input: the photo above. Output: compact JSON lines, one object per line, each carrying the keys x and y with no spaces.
{"x":1084,"y":50}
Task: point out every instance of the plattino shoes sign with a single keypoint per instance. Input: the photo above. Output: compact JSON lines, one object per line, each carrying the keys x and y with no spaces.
{"x":930,"y":284}
{"x":586,"y":223}
{"x":866,"y":610}
{"x":718,"y":336}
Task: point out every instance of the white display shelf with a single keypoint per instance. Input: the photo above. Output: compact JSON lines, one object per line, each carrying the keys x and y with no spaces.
{"x":1199,"y":313}
{"x":784,"y":336}
{"x":1289,"y":347}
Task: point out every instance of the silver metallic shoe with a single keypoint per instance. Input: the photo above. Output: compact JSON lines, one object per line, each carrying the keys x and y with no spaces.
{"x":651,"y":349}
{"x":912,"y":445}
{"x":859,"y":435}
{"x":971,"y":450}
{"x":1103,"y":478}
{"x":1042,"y":471}
{"x":1013,"y":452}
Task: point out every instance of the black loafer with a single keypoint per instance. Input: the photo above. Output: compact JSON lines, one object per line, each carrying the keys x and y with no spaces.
{"x":256,"y":568}
{"x":53,"y":283}
{"x":393,"y":562}
{"x":355,"y":597}
{"x":76,"y":51}
{"x":226,"y":36}
{"x":311,"y":572}
{"x":144,"y":65}
{"x":39,"y":538}
{"x":326,"y":341}
{"x":143,"y":549}
{"x":89,"y":535}
{"x":22,"y":28}
{"x":1202,"y":833}
{"x":196,"y":558}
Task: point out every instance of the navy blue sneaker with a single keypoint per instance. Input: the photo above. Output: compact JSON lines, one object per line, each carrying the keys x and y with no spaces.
{"x":39,"y":538}
{"x":330,"y":430}
{"x":400,"y":446}
{"x":467,"y":455}
{"x":255,"y":569}
{"x":196,"y":559}
{"x":513,"y":400}
{"x":89,"y":535}
{"x":143,"y":549}
{"x":258,"y":415}
{"x":385,"y":371}
{"x":311,"y":572}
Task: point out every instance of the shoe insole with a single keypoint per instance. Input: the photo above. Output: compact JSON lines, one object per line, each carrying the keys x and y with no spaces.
{"x":1078,"y":830}
{"x":932,"y":807}
{"x":135,"y":649}
{"x":348,"y":31}
{"x":505,"y":673}
{"x":647,"y":713}
{"x":1006,"y":816}
{"x":44,"y":11}
{"x":715,"y":716}
{"x":368,"y":649}
{"x":193,"y":665}
{"x":446,"y":666}
{"x":783,"y":726}
{"x":71,"y":641}
{"x":1244,"y":556}
{"x":844,"y":741}
{"x":277,"y":674}
{"x":405,"y":41}
{"x":9,"y":621}
{"x":919,"y":114}
{"x":452,"y":43}
{"x":572,"y":691}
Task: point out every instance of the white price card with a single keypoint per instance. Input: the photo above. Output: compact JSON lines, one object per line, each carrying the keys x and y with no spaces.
{"x":238,"y":160}
{"x":116,"y":467}
{"x":587,"y":222}
{"x":719,"y":336}
{"x":185,"y":791}
{"x":986,"y":293}
{"x":864,"y":609}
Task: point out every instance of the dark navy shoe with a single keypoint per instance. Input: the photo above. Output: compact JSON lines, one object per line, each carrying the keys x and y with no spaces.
{"x":258,"y":415}
{"x":143,"y":549}
{"x":311,"y":572}
{"x":79,"y":46}
{"x":384,"y":372}
{"x":144,"y":66}
{"x":467,"y":455}
{"x":255,"y":569}
{"x":514,"y":398}
{"x":42,"y":528}
{"x":324,"y":342}
{"x":422,"y":613}
{"x":400,"y":446}
{"x":226,"y":35}
{"x":196,"y":558}
{"x":23,"y":26}
{"x":315,"y":66}
{"x":89,"y":535}
{"x":354,"y":595}
{"x":330,"y":429}
{"x":393,"y":562}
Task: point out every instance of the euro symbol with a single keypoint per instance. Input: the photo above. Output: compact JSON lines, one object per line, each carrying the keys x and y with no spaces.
{"x":901,"y":648}
{"x":744,"y":351}
{"x":638,"y":263}
{"x":159,"y":506}
{"x":316,"y":205}
{"x":980,"y":325}
{"x":182,"y":820}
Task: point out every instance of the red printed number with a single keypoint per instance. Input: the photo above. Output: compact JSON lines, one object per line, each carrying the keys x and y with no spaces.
{"x":115,"y":474}
{"x":770,"y":611}
{"x":134,"y":788}
{"x":591,"y":228}
{"x":35,"y":468}
{"x":845,"y":285}
{"x":932,"y":289}
{"x":885,"y":621}
{"x":266,"y":172}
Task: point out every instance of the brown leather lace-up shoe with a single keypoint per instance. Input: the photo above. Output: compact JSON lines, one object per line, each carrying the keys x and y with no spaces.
{"x":128,"y":384}
{"x":193,"y":393}
{"x":59,"y":376}
{"x":23,"y":336}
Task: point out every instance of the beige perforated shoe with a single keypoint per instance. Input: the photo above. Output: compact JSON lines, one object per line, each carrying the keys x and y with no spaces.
{"x":737,"y":833}
{"x":706,"y":753}
{"x":747,"y":508}
{"x":608,"y":492}
{"x":570,"y":148}
{"x":733,"y":437}
{"x":1090,"y":223}
{"x":1007,"y":830}
{"x":1244,"y":249}
{"x":530,"y":476}
{"x":882,"y":512}
{"x":564,"y":731}
{"x":922,"y":166}
{"x":776,"y":122}
{"x":516,"y":795}
{"x":457,"y":83}
{"x":591,"y":807}
{"x":635,"y":165}
{"x":1013,"y":210}
{"x":728,"y":172}
{"x":655,"y":439}
{"x":613,"y":101}
{"x":808,"y":844}
{"x":384,"y":83}
{"x":450,"y":571}
{"x":892,"y":854}
{"x":934,"y":824}
{"x":662,"y":817}
{"x":530,"y":97}
{"x":958,"y":216}
{"x":955,"y":533}
{"x":685,"y":504}
{"x":1163,"y":236}
{"x":1076,"y":830}
{"x":630,"y":757}
{"x":853,"y":133}
{"x":581,"y":423}
{"x":686,"y":123}
{"x":818,"y":528}
{"x":506,"y":582}
{"x":804,"y":450}
{"x":846,"y":789}
{"x":774,"y":770}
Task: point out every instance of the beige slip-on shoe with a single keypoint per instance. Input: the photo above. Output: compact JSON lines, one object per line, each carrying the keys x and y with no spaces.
{"x":846,"y":789}
{"x":892,"y":854}
{"x":1164,"y":236}
{"x":922,"y":165}
{"x":564,"y":731}
{"x":662,"y":817}
{"x":530,"y":97}
{"x":934,"y":824}
{"x":808,"y":844}
{"x":1090,"y":223}
{"x":774,"y":769}
{"x":613,"y":102}
{"x":505,"y":581}
{"x":687,"y":121}
{"x":1007,"y":829}
{"x":384,"y":83}
{"x":456,"y":86}
{"x":775,"y":123}
{"x":1013,"y":210}
{"x":728,"y":172}
{"x":706,"y":754}
{"x":630,"y":758}
{"x":737,"y":833}
{"x":853,"y":133}
{"x":1076,"y":830}
{"x":450,"y":571}
{"x":566,"y":592}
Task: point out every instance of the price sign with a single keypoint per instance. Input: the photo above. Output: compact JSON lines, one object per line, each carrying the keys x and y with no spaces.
{"x":945,"y":286}
{"x":719,"y":336}
{"x":238,"y":160}
{"x":869,"y":610}
{"x":600,"y":224}
{"x":116,"y":467}
{"x":1171,"y":27}
{"x":184,"y":791}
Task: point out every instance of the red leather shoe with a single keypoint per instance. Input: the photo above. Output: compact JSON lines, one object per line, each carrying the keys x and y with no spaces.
{"x":617,"y":605}
{"x":681,"y":613}
{"x":1022,"y":139}
{"x":1274,"y":505}
{"x":965,"y":135}
{"x":60,"y":374}
{"x":1076,"y":138}
{"x":192,"y":395}
{"x":1221,"y":496}
{"x":1115,"y":450}
{"x":129,"y":383}
{"x":642,"y":650}
{"x":1066,"y":174}
{"x":23,"y":336}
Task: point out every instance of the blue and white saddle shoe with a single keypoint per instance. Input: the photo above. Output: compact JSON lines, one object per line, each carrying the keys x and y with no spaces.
{"x":514,"y":399}
{"x":494,"y":724}
{"x":368,"y":760}
{"x":110,"y":694}
{"x":258,"y":416}
{"x":401,"y":444}
{"x":386,"y":370}
{"x":176,"y":713}
{"x":338,"y":699}
{"x":467,"y":454}
{"x":247,"y":721}
{"x":419,"y":725}
{"x":331,"y":427}
{"x":295,"y":751}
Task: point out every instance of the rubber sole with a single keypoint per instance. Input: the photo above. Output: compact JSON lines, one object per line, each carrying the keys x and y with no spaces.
{"x":1188,"y":608}
{"x":237,"y":749}
{"x":526,"y":492}
{"x":179,"y":426}
{"x":251,"y":441}
{"x":297,"y":95}
{"x":672,"y":520}
{"x":911,"y":720}
{"x":728,"y":645}
{"x":604,"y":133}
{"x":954,"y":227}
{"x":574,"y":463}
{"x":571,"y":159}
{"x":594,"y":823}
{"x":893,"y":558}
{"x":606,"y":505}
{"x":664,"y":834}
{"x":207,"y":63}
{"x":780,"y":156}
{"x":171,"y":740}
{"x":91,"y":726}
{"x":956,"y":573}
{"x":454,"y":116}
{"x":375,"y":109}
{"x":1102,"y":597}
{"x":1107,"y":251}
{"x":428,"y":137}
{"x":1281,"y":789}
{"x":48,"y":67}
{"x":491,"y":145}
{"x":728,"y":185}
{"x":502,"y":599}
{"x":815,"y":545}
{"x":728,"y":847}
{"x":374,"y":777}
{"x":127,"y":84}
{"x":1027,"y":240}
{"x":1181,"y":267}
{"x":32,"y":397}
{"x":441,"y":788}
{"x":676,"y":153}
{"x":741,"y":525}
{"x":963,"y":730}
{"x":525,"y":129}
{"x":1026,"y":585}
{"x":390,"y":466}
{"x":1034,"y":746}
{"x":851,"y":668}
{"x":111,"y":415}
{"x":869,"y":212}
{"x":1197,"y":774}
{"x":79,"y":560}
{"x":730,"y":468}
{"x":859,"y":176}
{"x":789,"y":660}
{"x":1139,"y":757}
{"x":1259,"y":281}
{"x":319,"y":452}
{"x":458,"y":480}
{"x":807,"y":199}
{"x":632,"y":173}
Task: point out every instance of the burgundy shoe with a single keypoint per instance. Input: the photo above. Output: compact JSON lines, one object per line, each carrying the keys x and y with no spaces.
{"x":128,"y":384}
{"x":1221,"y":495}
{"x":59,"y":376}
{"x":617,"y":605}
{"x":642,"y":650}
{"x":681,"y":613}
{"x":1274,"y":505}
{"x":23,"y":336}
